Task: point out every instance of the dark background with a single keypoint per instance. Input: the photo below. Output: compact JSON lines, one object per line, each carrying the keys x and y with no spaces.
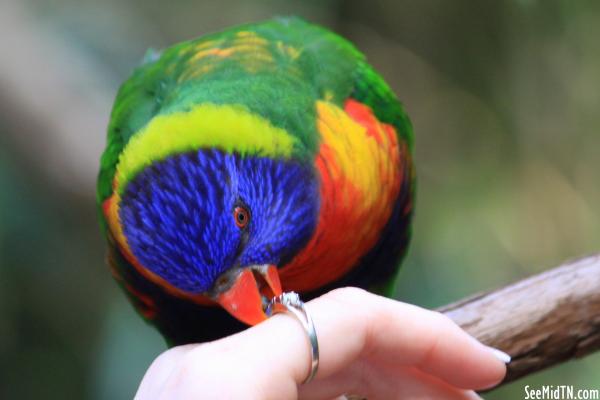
{"x":505,"y":101}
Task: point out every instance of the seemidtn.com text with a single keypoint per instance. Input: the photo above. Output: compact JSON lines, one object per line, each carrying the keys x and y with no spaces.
{"x":560,"y":392}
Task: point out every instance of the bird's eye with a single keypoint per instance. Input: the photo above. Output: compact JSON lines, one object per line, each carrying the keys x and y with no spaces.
{"x":241,"y":217}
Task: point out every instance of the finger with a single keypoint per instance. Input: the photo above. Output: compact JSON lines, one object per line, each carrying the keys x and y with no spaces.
{"x":381,"y":383}
{"x":160,"y":370}
{"x":273,"y":357}
{"x":266,"y":362}
{"x":352,"y":323}
{"x":259,"y":361}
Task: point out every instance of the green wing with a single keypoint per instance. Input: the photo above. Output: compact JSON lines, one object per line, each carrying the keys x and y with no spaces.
{"x":372,"y":90}
{"x":138,"y":100}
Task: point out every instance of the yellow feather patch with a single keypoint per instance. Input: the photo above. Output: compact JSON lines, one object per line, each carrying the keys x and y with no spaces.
{"x":361,"y":159}
{"x":231,"y":128}
{"x":249,"y":37}
{"x":290,"y":51}
{"x":247,"y":48}
{"x":212,"y":52}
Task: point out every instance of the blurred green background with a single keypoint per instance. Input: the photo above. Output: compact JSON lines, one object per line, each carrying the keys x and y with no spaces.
{"x":505,"y":101}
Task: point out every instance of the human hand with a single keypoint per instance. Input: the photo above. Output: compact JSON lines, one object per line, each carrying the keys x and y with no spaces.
{"x":369,"y":345}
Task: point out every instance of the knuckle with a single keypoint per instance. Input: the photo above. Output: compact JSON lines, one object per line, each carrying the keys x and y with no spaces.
{"x":162,"y":359}
{"x":347,"y":293}
{"x":189,"y":365}
{"x":442,"y":321}
{"x":165,"y":359}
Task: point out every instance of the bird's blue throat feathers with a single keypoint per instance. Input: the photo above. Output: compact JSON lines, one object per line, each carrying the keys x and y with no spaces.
{"x":178,"y":214}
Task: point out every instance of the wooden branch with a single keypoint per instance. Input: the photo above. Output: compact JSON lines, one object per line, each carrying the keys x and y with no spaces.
{"x":541,"y":321}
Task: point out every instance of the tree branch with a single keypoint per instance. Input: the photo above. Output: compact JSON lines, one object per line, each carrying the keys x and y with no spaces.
{"x":541,"y":321}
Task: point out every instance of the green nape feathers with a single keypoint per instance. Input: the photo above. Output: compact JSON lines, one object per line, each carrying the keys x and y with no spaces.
{"x":220,"y":63}
{"x":236,"y":67}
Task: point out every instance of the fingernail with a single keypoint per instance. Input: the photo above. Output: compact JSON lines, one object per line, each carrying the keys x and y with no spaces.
{"x":500,"y":355}
{"x":474,"y":396}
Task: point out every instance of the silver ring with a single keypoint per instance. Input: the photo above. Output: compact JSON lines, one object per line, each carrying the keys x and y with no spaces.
{"x":289,"y":302}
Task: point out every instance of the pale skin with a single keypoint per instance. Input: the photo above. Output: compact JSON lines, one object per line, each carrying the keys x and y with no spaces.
{"x":369,"y":345}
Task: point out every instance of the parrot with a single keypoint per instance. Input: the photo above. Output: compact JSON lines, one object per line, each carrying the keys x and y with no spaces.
{"x":265,"y":158}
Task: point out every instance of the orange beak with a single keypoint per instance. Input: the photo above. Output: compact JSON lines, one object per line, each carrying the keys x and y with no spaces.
{"x":252,"y":288}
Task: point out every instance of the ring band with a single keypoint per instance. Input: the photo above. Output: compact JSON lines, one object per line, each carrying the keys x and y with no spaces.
{"x":289,"y":302}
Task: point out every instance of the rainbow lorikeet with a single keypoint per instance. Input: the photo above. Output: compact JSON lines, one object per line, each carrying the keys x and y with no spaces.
{"x":263,"y":158}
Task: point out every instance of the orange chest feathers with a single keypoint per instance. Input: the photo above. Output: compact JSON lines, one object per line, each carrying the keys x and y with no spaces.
{"x":360,"y":163}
